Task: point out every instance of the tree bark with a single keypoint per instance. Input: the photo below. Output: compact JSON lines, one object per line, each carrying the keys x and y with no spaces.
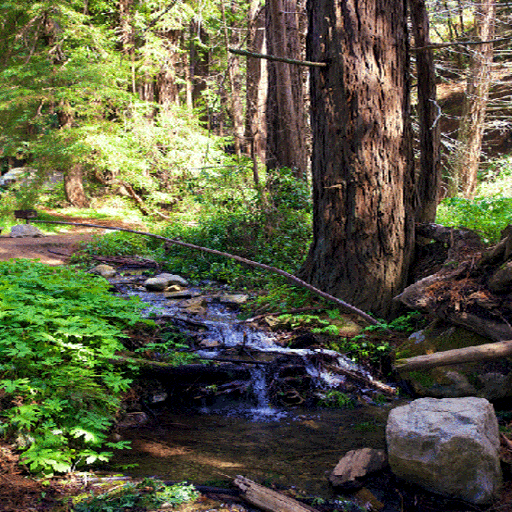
{"x":74,"y":187}
{"x":471,"y":128}
{"x":363,"y":220}
{"x":235,"y":83}
{"x":256,"y":92}
{"x":428,"y":176}
{"x":286,"y":127}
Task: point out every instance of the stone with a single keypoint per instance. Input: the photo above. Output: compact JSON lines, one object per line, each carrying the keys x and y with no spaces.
{"x":162,"y":281}
{"x":235,"y":299}
{"x":194,"y":306}
{"x":25,"y":231}
{"x":449,"y":446}
{"x":105,"y":271}
{"x":209,"y":343}
{"x":133,"y":419}
{"x":355,"y":465}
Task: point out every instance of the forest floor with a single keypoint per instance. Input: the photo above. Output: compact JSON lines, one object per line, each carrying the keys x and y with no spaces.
{"x":19,"y":492}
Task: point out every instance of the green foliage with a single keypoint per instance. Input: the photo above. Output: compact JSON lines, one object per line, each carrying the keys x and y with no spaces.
{"x":117,"y":244}
{"x":237,"y":219}
{"x":149,"y":494}
{"x":362,"y":348}
{"x":172,"y":349}
{"x":60,"y":331}
{"x":336,"y":399}
{"x":486,"y":215}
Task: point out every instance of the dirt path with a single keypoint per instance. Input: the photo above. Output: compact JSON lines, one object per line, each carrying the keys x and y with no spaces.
{"x":53,"y":249}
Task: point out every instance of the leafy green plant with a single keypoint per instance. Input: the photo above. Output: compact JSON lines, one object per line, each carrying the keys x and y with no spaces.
{"x":486,"y":215}
{"x":336,"y":399}
{"x":172,"y":349}
{"x":61,"y":329}
{"x":117,"y":244}
{"x":148,"y":494}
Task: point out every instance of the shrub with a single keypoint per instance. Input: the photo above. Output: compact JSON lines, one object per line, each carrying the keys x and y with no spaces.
{"x":487,"y":215}
{"x":59,"y":389}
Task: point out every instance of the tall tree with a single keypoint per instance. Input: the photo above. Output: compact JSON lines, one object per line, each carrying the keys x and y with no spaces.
{"x":256,"y":91}
{"x":428,"y":174}
{"x":472,"y":123}
{"x":286,"y":125}
{"x":363,"y":223}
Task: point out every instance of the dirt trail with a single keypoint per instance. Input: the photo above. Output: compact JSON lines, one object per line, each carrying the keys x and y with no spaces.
{"x":53,"y":249}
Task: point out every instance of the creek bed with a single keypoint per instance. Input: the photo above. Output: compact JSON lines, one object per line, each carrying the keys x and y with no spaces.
{"x":299,"y":448}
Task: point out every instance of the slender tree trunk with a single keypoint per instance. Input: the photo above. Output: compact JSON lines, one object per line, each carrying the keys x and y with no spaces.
{"x":199,"y":62}
{"x":167,"y":90}
{"x":363,"y":220}
{"x":472,"y":124}
{"x":256,"y":91}
{"x":74,"y":187}
{"x":235,"y":83}
{"x":428,"y":175}
{"x":286,"y":126}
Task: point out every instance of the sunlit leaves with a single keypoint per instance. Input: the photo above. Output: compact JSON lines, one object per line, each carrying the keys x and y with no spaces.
{"x":60,"y":330}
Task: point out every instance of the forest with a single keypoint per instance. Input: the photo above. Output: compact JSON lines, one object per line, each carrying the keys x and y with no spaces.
{"x":336,"y":172}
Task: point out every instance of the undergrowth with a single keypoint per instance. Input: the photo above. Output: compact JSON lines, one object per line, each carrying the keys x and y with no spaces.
{"x":59,"y":388}
{"x":486,"y":215}
{"x":149,"y":494}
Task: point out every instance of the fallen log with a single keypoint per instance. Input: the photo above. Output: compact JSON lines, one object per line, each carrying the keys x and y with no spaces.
{"x":457,"y":356}
{"x":199,"y":371}
{"x":266,"y":499}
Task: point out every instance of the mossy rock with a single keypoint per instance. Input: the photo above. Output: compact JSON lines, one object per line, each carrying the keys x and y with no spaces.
{"x":486,"y":379}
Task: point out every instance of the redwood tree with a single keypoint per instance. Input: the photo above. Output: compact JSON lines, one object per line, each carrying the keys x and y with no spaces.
{"x":363,"y":179}
{"x":286,"y":125}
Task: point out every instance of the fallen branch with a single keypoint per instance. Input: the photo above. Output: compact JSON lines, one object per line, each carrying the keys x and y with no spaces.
{"x":268,"y":500}
{"x":457,"y":356}
{"x":278,"y":59}
{"x":295,"y":280}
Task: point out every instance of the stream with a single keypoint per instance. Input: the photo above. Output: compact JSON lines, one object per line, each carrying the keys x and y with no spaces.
{"x":209,"y":441}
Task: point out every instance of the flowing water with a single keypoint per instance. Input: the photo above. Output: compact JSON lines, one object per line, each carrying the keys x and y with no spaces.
{"x":288,"y":446}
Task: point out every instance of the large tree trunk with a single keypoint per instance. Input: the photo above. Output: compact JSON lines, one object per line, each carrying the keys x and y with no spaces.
{"x":363,"y":224}
{"x":286,"y":126}
{"x":471,"y":128}
{"x":429,"y":172}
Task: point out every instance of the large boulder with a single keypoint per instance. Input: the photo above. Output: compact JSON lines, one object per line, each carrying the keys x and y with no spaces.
{"x":449,"y":446}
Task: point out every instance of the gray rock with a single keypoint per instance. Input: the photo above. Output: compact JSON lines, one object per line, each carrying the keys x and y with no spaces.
{"x":235,"y":299}
{"x":25,"y":231}
{"x":105,"y":271}
{"x":162,"y":281}
{"x":449,"y":446}
{"x":355,"y":465}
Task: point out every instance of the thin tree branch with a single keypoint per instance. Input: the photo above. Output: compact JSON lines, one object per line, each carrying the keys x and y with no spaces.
{"x":435,"y":46}
{"x":295,"y":280}
{"x":278,"y":59}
